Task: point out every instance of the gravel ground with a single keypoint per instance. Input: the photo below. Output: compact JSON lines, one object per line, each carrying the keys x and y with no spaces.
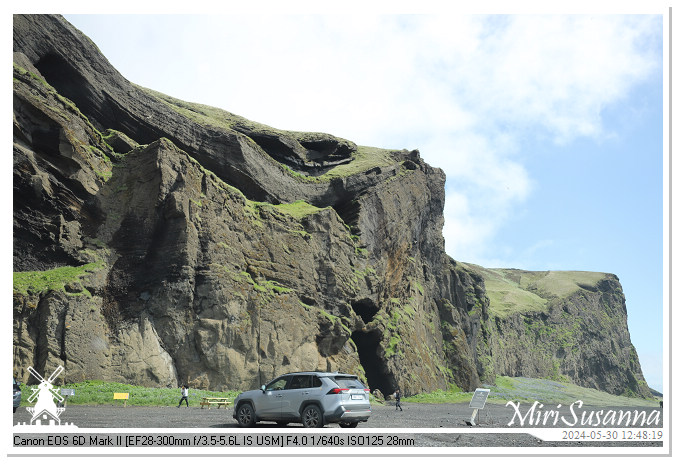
{"x":413,"y":416}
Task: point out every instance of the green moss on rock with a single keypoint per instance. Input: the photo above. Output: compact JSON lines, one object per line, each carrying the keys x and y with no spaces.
{"x":36,"y":282}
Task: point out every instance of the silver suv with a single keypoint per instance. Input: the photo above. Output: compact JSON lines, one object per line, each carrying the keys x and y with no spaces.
{"x":312,"y":398}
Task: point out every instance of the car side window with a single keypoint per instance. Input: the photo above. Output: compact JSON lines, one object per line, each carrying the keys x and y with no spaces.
{"x":316,"y":382}
{"x":278,"y":384}
{"x":300,"y":381}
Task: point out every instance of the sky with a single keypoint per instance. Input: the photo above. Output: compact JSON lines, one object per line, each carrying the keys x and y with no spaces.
{"x":549,"y":127}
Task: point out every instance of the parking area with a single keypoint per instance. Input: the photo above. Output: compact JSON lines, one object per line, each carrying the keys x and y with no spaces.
{"x":385,"y":416}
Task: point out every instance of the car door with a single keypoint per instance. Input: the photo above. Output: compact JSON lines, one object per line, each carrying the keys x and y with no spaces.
{"x":297,"y":393}
{"x":269,"y":404}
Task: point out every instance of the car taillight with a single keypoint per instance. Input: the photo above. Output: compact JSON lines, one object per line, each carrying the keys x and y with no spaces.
{"x":367,"y":390}
{"x":337,"y":391}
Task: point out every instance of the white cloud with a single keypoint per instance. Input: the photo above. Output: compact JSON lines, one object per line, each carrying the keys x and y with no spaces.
{"x":557,"y":72}
{"x":518,"y":78}
{"x":466,"y":90}
{"x":483,"y":188}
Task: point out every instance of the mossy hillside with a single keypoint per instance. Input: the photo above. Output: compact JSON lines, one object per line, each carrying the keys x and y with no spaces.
{"x":252,"y":209}
{"x":557,"y":343}
{"x":507,"y":297}
{"x":363,"y":159}
{"x":297,"y":209}
{"x":402,"y":316}
{"x":557,"y":284}
{"x":512,"y":291}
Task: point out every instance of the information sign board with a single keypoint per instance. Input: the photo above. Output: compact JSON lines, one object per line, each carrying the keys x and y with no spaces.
{"x":479,"y":398}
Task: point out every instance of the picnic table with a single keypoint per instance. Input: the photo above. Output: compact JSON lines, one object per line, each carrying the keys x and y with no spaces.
{"x":209,"y":401}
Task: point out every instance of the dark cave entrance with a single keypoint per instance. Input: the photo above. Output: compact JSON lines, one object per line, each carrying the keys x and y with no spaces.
{"x":376,"y":372}
{"x":366,"y":309}
{"x":349,"y":209}
{"x":368,"y":346}
{"x":67,"y":81}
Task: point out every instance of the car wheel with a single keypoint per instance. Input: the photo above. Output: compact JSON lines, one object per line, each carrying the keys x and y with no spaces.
{"x":312,"y":416}
{"x":348,"y":425}
{"x":245,"y":415}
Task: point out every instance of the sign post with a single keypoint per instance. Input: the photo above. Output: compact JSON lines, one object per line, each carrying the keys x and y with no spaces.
{"x":478,"y":402}
{"x":66,"y":392}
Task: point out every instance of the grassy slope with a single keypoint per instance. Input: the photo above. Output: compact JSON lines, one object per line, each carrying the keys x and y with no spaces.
{"x":530,"y":390}
{"x":99,"y":392}
{"x":54,"y":279}
{"x":512,"y":290}
{"x":364,"y":158}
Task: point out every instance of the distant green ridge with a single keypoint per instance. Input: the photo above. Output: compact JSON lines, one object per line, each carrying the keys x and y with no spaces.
{"x":513,"y":291}
{"x":526,"y":390}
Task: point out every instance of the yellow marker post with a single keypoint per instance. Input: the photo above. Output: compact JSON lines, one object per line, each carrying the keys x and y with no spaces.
{"x":122,"y":396}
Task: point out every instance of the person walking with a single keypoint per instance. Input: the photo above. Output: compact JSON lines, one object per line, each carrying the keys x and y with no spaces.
{"x":397,"y":396}
{"x":185,"y":396}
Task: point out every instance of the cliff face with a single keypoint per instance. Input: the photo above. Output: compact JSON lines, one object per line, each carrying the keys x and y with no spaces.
{"x":158,"y":242}
{"x":569,"y":326}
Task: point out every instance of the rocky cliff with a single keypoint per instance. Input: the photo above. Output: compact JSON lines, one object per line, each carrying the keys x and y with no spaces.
{"x":158,"y":241}
{"x":567,"y":326}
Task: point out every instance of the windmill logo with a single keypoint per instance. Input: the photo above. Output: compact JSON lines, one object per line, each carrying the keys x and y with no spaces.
{"x":45,"y":411}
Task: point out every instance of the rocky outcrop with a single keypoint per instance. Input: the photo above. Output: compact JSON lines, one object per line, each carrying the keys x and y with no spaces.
{"x":567,"y":326}
{"x":158,"y":242}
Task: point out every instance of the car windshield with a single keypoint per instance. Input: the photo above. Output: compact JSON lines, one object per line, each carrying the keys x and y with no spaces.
{"x":278,"y":384}
{"x":348,"y":382}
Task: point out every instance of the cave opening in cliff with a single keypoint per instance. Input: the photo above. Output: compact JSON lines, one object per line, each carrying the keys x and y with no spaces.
{"x":365,"y":309}
{"x":376,"y":372}
{"x":349,"y":210}
{"x":66,"y":80}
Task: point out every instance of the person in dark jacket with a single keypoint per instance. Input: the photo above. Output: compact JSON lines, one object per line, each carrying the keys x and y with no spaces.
{"x":397,"y":397}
